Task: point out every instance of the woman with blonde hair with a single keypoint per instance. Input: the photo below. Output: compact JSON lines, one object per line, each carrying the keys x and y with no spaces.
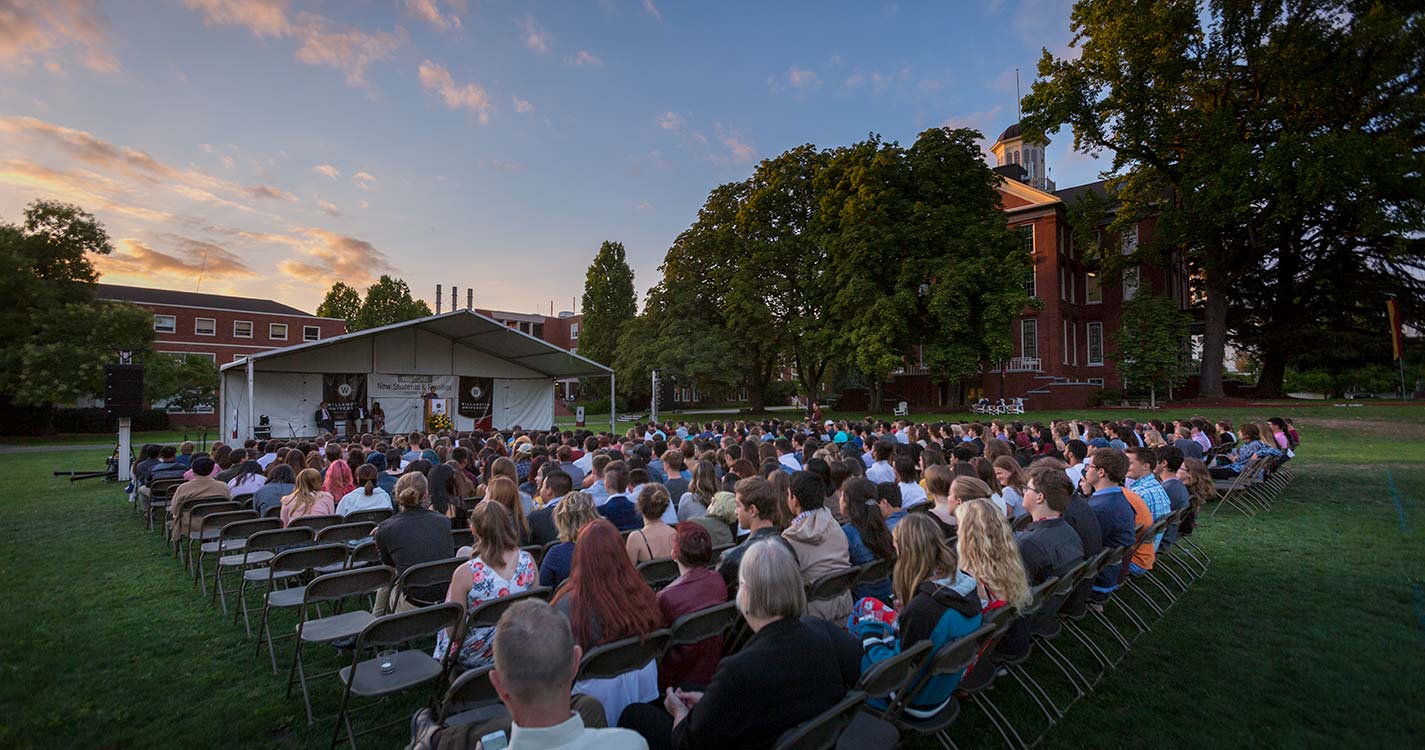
{"x":497,"y":568}
{"x":655,"y":540}
{"x":574,"y":511}
{"x":308,"y":498}
{"x":503,"y":491}
{"x":988,"y":551}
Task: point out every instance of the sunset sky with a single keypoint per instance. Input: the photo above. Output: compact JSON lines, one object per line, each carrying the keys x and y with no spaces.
{"x":282,"y":145}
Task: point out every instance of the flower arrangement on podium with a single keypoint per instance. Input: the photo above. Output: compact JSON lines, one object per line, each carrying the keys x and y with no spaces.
{"x":438,"y":422}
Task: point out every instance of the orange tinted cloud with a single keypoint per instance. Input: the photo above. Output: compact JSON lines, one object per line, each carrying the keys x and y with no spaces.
{"x":39,"y":30}
{"x":187,"y":258}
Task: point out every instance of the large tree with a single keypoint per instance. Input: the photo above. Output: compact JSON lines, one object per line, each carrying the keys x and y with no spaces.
{"x":187,"y":381}
{"x":343,"y":302}
{"x":55,"y":337}
{"x":1149,"y":345}
{"x":389,"y":301}
{"x":608,"y":303}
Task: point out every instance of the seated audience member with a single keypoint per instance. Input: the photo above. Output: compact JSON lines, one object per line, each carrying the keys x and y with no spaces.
{"x":791,"y":670}
{"x":912,"y":494}
{"x":248,"y":480}
{"x":720,"y":521}
{"x":213,"y":469}
{"x":1144,"y":483}
{"x":757,"y":512}
{"x":939,"y":604}
{"x":574,"y":512}
{"x":552,"y":489}
{"x":867,"y":537}
{"x":1117,"y":518}
{"x":1186,"y":445}
{"x":338,"y":482}
{"x":987,"y":551}
{"x":444,"y":494}
{"x":607,"y":600}
{"x":185,"y":454}
{"x":818,"y":542}
{"x":697,"y":588}
{"x":200,"y":489}
{"x":1169,"y":460}
{"x":654,"y":541}
{"x":619,"y":508}
{"x":678,"y":477}
{"x":308,"y":499}
{"x":497,"y":568}
{"x":880,"y":470}
{"x":536,"y":659}
{"x":281,"y":481}
{"x":366,"y":496}
{"x":148,"y":457}
{"x":699,"y":496}
{"x":888,"y":500}
{"x":1279,"y":434}
{"x":1048,"y":546}
{"x":1075,"y":451}
{"x":389,"y":470}
{"x":1078,"y":515}
{"x":1009,"y":476}
{"x":506,"y":493}
{"x":167,"y":467}
{"x":1195,"y":477}
{"x":415,"y":535}
{"x":939,"y":487}
{"x":1250,"y":449}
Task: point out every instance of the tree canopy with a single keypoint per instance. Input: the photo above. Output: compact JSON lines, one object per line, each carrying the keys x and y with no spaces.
{"x":608,"y":303}
{"x":387,"y":301}
{"x":341,"y":301}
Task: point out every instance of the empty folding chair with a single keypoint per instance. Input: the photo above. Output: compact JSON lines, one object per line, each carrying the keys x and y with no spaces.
{"x":373,"y":516}
{"x":349,"y":534}
{"x":832,"y":584}
{"x":418,"y":584}
{"x":821,"y":732}
{"x":659,"y":573}
{"x":213,"y":524}
{"x":230,"y":543}
{"x":392,"y":673}
{"x":288,"y":566}
{"x":886,"y":681}
{"x":332,"y":587}
{"x":954,"y":658}
{"x":462,"y":537}
{"x":258,"y":549}
{"x":184,"y":541}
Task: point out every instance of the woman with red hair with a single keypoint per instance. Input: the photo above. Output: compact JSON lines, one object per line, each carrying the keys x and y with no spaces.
{"x":606,"y":599}
{"x":338,"y":481}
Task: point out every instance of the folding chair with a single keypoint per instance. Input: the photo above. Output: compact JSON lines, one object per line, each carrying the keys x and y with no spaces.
{"x":1048,"y":626}
{"x":659,"y":573}
{"x":954,"y":658}
{"x":873,"y":572}
{"x":1014,"y":663}
{"x":362,"y":555}
{"x":160,"y":494}
{"x":332,"y":587}
{"x":1076,"y":608}
{"x":316,"y":523}
{"x":536,"y":552}
{"x":696,"y":627}
{"x":349,"y":534}
{"x":183,"y":541}
{"x":374,"y":516}
{"x":1135,"y":583}
{"x":462,"y":537}
{"x":1232,"y":491}
{"x":259,"y":548}
{"x":274,"y":511}
{"x":231,"y":543}
{"x":423,"y":576}
{"x":982,"y":673}
{"x":213,"y":524}
{"x":886,"y":680}
{"x":832,"y":584}
{"x":409,"y":668}
{"x":822,"y":731}
{"x":717,"y":554}
{"x":487,"y":615}
{"x":245,"y":498}
{"x":622,"y":656}
{"x":288,"y":566}
{"x":1115,"y":557}
{"x":474,"y":696}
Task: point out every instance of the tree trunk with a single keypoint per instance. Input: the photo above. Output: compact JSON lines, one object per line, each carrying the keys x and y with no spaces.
{"x":1272,"y":375}
{"x":877,"y":396}
{"x":1214,"y":340}
{"x":755,"y":401}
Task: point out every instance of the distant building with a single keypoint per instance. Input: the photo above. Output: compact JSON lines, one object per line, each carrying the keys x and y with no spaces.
{"x":221,"y":327}
{"x":562,"y":330}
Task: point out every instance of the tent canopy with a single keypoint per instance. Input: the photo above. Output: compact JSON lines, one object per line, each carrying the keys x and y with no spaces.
{"x":287,"y":384}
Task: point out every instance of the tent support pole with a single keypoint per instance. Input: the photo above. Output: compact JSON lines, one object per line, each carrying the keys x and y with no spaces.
{"x":251,"y":399}
{"x":613,"y":407}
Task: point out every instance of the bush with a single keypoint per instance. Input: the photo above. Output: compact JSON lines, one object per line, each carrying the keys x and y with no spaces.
{"x":1106,"y":397}
{"x":38,"y":421}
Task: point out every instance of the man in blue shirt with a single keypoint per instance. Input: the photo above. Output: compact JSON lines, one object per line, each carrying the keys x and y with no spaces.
{"x":1103,"y":480}
{"x":619,"y":508}
{"x":1141,"y":462}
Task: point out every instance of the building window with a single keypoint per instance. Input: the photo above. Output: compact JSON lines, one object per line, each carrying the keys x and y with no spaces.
{"x":1130,"y":283}
{"x":1029,"y":338}
{"x":1093,"y":292}
{"x":1063,"y":285}
{"x":1096,"y":381}
{"x":538,"y":331}
{"x":165,"y":323}
{"x":205,"y":327}
{"x":1026,"y":236}
{"x":1074,"y":360}
{"x":242,"y":329}
{"x":1130,"y":240}
{"x":311,"y":333}
{"x":573,"y":331}
{"x":239,"y":357}
{"x":1095,"y":336}
{"x":1067,"y":326}
{"x":277,"y":331}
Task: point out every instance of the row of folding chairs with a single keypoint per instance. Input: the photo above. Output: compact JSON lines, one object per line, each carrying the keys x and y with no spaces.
{"x":1255,"y":488}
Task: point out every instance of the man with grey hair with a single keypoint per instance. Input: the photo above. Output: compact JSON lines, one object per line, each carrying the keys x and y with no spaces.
{"x":535,"y":662}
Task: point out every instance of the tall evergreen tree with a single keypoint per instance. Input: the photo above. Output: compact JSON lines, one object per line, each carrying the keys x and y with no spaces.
{"x":608,"y":303}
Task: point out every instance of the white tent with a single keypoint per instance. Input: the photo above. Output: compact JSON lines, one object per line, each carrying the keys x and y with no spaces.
{"x":398,"y":365}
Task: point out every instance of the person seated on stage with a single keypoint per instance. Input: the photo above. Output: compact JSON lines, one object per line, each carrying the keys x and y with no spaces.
{"x":366,"y":496}
{"x":308,"y":499}
{"x":323,"y":418}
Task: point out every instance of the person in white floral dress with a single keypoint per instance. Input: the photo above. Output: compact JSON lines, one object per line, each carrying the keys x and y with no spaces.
{"x":497,"y":568}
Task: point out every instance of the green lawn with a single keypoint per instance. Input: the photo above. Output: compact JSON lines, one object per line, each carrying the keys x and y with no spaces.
{"x":1307,"y":631}
{"x":106,"y":438}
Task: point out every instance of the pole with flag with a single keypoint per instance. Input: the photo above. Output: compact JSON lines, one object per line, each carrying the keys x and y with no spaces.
{"x":1397,"y":339}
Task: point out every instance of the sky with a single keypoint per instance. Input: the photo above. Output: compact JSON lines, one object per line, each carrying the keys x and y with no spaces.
{"x":270,"y":148}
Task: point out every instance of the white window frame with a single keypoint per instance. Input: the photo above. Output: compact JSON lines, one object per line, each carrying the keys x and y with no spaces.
{"x":1130,"y":240}
{"x":1131,"y":281}
{"x":238,"y":335}
{"x":1074,"y":328}
{"x":311,"y":333}
{"x":212,"y":327}
{"x":1089,"y":297}
{"x":172,"y":323}
{"x":1063,"y":288}
{"x":573,"y":331}
{"x":1089,"y":337}
{"x":239,"y":357}
{"x":1065,"y":349}
{"x":1027,"y":326}
{"x":272,"y":331}
{"x":1032,"y":285}
{"x":1096,"y":381}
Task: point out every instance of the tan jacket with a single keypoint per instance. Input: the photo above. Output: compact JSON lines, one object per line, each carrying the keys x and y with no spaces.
{"x":190,"y":493}
{"x":821,"y":548}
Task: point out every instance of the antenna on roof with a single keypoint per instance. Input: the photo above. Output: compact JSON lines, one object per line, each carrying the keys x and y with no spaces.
{"x":1018,"y":110}
{"x":201,"y":269}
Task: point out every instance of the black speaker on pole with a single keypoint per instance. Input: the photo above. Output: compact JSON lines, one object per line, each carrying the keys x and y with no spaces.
{"x":123,"y":390}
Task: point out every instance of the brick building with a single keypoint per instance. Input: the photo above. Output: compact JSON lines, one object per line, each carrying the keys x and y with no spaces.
{"x":221,"y":327}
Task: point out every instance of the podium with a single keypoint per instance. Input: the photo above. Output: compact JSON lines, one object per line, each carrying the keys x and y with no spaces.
{"x":434,"y":406}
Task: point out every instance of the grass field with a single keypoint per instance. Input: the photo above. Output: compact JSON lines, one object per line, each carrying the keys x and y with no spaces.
{"x":1307,"y":631}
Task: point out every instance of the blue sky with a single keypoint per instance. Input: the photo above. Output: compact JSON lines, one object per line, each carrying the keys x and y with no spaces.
{"x":281,"y":145}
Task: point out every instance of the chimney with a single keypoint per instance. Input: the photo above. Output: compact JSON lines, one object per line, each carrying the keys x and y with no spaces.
{"x":454,"y":298}
{"x":437,"y":299}
{"x":469,"y":298}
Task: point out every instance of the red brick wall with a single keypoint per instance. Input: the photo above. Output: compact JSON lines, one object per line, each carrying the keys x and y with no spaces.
{"x":223,"y":344}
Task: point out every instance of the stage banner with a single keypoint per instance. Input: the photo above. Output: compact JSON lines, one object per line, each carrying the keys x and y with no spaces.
{"x":476,"y":400}
{"x":389,"y":386}
{"x":343,"y":392}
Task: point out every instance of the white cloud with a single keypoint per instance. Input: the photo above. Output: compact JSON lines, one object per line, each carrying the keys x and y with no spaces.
{"x":272,"y":193}
{"x":227,"y":161}
{"x":584,"y":59}
{"x":328,"y":170}
{"x":328,"y":207}
{"x":670,"y":121}
{"x":364,"y":180}
{"x":652,"y":10}
{"x":796,"y":78}
{"x":644,"y":206}
{"x":535,"y":38}
{"x":470,"y":96}
{"x":522,"y":106}
{"x":429,"y":11}
{"x":34,"y":31}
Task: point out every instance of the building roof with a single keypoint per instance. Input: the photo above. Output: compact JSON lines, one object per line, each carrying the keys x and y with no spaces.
{"x":1013,"y":131}
{"x":469,"y":329}
{"x":1070,"y":194}
{"x":147,"y":296}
